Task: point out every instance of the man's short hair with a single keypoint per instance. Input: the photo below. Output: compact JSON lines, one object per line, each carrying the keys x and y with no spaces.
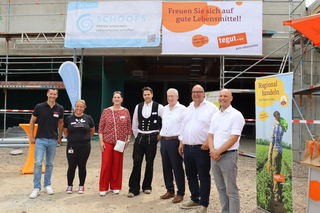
{"x":175,"y":91}
{"x":52,"y":89}
{"x":147,"y":89}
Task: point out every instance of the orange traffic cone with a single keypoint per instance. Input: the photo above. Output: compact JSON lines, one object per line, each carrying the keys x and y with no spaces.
{"x":29,"y":163}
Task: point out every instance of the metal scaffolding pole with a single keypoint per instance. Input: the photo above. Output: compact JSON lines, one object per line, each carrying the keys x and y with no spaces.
{"x":6,"y":90}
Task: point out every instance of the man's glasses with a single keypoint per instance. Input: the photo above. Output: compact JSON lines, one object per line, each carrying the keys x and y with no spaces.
{"x":197,"y":92}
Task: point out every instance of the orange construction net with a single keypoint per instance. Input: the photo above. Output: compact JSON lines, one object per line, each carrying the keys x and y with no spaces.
{"x":309,"y":26}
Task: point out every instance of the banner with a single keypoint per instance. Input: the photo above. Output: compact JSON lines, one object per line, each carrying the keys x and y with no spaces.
{"x":274,"y":142}
{"x":113,"y":24}
{"x":213,"y":97}
{"x":215,"y":28}
{"x":71,"y":78}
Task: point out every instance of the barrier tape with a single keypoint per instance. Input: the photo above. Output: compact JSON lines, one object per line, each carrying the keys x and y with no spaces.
{"x":249,"y":120}
{"x":21,"y":110}
{"x":294,"y":121}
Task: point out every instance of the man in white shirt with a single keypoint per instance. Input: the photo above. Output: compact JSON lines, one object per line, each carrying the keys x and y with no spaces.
{"x":224,"y":136}
{"x":171,"y":159}
{"x":194,"y":146}
{"x":146,"y":123}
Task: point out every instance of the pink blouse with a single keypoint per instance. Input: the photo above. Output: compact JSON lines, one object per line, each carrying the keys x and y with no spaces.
{"x":123,"y":125}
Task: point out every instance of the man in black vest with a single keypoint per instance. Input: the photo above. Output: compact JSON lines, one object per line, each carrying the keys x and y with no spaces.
{"x":146,"y":124}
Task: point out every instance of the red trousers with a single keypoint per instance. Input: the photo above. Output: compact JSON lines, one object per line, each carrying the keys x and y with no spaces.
{"x":111,"y":169}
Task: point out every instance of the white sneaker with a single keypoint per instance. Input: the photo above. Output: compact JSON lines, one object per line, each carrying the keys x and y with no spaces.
{"x":81,"y":190}
{"x":69,"y":190}
{"x":35,"y":193}
{"x":115,"y":192}
{"x":103,"y":193}
{"x":49,"y":190}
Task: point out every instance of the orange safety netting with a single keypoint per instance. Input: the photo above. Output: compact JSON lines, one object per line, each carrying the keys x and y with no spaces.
{"x":309,"y":26}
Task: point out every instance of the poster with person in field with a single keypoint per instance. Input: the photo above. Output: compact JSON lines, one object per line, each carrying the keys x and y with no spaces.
{"x":274,"y":142}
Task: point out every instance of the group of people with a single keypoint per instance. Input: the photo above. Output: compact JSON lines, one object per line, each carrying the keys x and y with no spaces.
{"x":201,"y":136}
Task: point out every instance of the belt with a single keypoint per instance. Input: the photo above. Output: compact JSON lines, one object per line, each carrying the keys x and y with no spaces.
{"x":195,"y":145}
{"x":169,"y":138}
{"x":232,"y":150}
{"x":148,"y":133}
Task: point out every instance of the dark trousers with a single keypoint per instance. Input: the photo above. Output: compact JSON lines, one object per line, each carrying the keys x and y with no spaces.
{"x":144,"y":145}
{"x":197,"y":165}
{"x":77,"y":158}
{"x":172,"y":164}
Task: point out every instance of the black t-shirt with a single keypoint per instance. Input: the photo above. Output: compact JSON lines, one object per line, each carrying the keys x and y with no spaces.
{"x":47,"y":120}
{"x":79,"y":128}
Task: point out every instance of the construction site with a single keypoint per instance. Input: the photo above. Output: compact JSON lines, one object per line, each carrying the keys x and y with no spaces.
{"x":32,"y":36}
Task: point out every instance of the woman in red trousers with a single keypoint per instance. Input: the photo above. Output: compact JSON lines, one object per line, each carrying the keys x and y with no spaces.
{"x":115,"y":124}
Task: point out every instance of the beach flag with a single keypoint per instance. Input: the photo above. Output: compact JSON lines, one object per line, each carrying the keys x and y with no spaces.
{"x":69,"y":73}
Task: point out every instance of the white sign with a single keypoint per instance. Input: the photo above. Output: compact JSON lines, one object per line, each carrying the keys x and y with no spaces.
{"x":215,"y":28}
{"x":113,"y":24}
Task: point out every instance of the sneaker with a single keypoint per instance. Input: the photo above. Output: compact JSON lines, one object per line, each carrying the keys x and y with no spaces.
{"x":69,"y":190}
{"x":103,"y":193}
{"x":35,"y":193}
{"x":115,"y":192}
{"x":81,"y":190}
{"x":49,"y":190}
{"x":147,"y":191}
{"x":190,"y":205}
{"x":130,"y":195}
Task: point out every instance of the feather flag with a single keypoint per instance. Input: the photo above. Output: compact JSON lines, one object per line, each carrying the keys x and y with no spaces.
{"x":69,"y":73}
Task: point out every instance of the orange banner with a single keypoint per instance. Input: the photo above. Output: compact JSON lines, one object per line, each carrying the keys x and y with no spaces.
{"x":232,"y":40}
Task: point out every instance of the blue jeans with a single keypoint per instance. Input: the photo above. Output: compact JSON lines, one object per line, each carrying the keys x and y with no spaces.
{"x":48,"y":146}
{"x":197,"y":165}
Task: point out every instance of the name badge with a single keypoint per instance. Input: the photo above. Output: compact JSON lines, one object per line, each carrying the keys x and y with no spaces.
{"x":154,"y":113}
{"x":70,"y":150}
{"x":56,"y":115}
{"x":122,"y":117}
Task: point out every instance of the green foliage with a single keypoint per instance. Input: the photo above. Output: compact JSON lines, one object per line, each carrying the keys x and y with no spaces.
{"x":267,"y":142}
{"x":265,"y":179}
{"x":284,"y":124}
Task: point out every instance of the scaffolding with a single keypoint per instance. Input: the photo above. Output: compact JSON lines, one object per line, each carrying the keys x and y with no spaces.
{"x":235,"y":68}
{"x":13,"y":68}
{"x":297,"y":54}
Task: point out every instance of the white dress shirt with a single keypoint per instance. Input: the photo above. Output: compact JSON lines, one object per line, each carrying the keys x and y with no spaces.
{"x":172,"y":120}
{"x":196,"y":123}
{"x":146,"y":112}
{"x":224,"y":124}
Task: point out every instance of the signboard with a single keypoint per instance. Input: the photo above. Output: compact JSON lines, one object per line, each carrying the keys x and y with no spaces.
{"x":215,"y":28}
{"x":113,"y":24}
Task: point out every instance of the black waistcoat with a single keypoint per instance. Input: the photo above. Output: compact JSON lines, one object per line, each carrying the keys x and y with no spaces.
{"x":151,"y":123}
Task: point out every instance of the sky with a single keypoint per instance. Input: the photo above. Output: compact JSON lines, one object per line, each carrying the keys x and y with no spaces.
{"x":308,"y":2}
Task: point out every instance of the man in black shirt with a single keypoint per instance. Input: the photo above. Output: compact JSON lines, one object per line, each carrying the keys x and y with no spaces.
{"x":49,"y":116}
